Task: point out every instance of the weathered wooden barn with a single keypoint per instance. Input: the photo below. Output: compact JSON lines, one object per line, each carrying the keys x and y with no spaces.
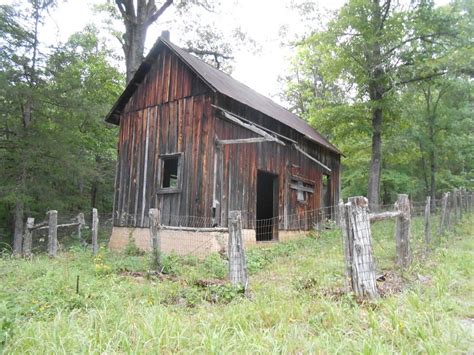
{"x":195,"y":142}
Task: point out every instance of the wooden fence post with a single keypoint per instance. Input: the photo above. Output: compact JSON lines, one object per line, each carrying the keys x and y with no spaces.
{"x":460,"y":203}
{"x":428,"y":221}
{"x":237,"y":263}
{"x":361,"y":258}
{"x":340,"y":214}
{"x":344,"y":223}
{"x":402,"y":234}
{"x":442,"y":218}
{"x":52,"y":233}
{"x":455,"y":201}
{"x":27,"y":237}
{"x":154,"y":216}
{"x":81,"y":220}
{"x":95,"y":231}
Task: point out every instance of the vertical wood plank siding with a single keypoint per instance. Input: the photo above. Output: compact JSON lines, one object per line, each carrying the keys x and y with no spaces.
{"x":171,"y":112}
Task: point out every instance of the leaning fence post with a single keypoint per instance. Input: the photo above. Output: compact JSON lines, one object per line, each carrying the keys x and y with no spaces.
{"x":237,"y":263}
{"x":155,"y":239}
{"x":428,"y":221}
{"x":27,"y":238}
{"x":95,"y":231}
{"x":52,"y":233}
{"x":402,"y":235}
{"x":442,"y":219}
{"x":359,"y":236}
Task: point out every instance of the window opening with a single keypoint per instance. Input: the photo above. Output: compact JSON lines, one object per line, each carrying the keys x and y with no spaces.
{"x":170,"y":173}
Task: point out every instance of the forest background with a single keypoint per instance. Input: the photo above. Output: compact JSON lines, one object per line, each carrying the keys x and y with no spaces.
{"x":389,"y":83}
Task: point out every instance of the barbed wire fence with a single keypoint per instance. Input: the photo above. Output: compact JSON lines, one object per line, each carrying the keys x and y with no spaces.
{"x":368,"y":258}
{"x":365,"y":255}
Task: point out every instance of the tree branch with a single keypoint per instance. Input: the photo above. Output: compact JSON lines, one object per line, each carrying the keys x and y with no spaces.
{"x":385,"y":15}
{"x":155,"y":15}
{"x":415,"y":79}
{"x":411,"y":39}
{"x":208,"y":52}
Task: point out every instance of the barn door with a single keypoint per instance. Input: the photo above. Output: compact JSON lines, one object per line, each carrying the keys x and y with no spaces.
{"x":267,"y":206}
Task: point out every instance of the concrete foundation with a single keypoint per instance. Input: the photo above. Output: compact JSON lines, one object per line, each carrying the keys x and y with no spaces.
{"x":189,"y":243}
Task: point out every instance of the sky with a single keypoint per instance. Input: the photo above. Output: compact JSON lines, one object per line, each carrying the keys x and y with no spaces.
{"x":262,"y":20}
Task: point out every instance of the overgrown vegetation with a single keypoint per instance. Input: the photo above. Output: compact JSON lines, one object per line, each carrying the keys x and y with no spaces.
{"x":297,"y":302}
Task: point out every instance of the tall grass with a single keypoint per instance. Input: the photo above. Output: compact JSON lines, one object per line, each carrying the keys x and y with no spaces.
{"x":294,"y":306}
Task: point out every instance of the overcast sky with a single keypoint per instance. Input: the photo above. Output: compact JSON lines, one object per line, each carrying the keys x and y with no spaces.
{"x":262,"y":19}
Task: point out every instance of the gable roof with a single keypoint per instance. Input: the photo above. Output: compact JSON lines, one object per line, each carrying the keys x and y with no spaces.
{"x":223,"y":83}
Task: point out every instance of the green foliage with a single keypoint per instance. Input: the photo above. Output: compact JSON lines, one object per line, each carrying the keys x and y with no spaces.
{"x":131,"y":248}
{"x":55,"y":150}
{"x":336,"y":72}
{"x":295,"y":305}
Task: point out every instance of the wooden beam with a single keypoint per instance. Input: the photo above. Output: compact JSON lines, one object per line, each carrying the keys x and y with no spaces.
{"x":251,"y":127}
{"x":255,"y":124}
{"x":192,"y":229}
{"x":307,"y":155}
{"x":242,"y":141}
{"x":40,"y":225}
{"x":302,"y":188}
{"x":374,"y":217}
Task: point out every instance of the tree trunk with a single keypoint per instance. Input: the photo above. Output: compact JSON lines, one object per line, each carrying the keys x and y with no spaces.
{"x":376,"y":92}
{"x":376,"y":161}
{"x":431,"y":128}
{"x":133,"y":47}
{"x":137,"y":16}
{"x":18,"y":233}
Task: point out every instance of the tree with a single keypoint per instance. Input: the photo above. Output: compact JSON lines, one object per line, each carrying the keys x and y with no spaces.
{"x":20,"y":61}
{"x":138,"y":16}
{"x":63,"y":155}
{"x":137,"y":19}
{"x":372,"y":46}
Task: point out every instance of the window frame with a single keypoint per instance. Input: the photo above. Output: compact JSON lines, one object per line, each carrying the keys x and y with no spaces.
{"x":163,"y":158}
{"x":297,"y":183}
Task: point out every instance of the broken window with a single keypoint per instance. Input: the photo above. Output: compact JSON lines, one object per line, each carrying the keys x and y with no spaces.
{"x":171,"y":172}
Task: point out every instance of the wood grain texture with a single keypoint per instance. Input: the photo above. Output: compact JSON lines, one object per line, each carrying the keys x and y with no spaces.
{"x":172,"y":112}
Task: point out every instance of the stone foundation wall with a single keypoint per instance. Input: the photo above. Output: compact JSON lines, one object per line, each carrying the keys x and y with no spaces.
{"x":185,"y":242}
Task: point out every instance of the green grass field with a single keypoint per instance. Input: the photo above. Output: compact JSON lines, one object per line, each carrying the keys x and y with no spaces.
{"x":296,"y":304}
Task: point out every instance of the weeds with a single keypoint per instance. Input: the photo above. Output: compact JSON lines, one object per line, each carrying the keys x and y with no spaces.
{"x":298,"y":304}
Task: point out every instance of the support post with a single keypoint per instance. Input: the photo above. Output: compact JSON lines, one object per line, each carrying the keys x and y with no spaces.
{"x":359,"y":236}
{"x":81,"y":220}
{"x":344,"y":223}
{"x":155,"y":218}
{"x":237,"y":263}
{"x":460,"y":203}
{"x":428,"y":221}
{"x":95,"y":231}
{"x":340,"y":214}
{"x":455,"y":207}
{"x":444,"y":208}
{"x":402,"y":236}
{"x":27,"y":237}
{"x":52,"y":233}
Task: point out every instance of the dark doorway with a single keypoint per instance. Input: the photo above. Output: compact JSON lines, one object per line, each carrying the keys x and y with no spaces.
{"x":267,"y":206}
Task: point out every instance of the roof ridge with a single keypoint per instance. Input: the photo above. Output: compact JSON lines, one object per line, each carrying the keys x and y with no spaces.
{"x":225,"y":84}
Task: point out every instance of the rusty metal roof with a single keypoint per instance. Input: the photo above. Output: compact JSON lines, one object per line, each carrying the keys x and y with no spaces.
{"x":226,"y":85}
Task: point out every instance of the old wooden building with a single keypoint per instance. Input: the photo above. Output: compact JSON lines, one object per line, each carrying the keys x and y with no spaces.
{"x":195,"y":142}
